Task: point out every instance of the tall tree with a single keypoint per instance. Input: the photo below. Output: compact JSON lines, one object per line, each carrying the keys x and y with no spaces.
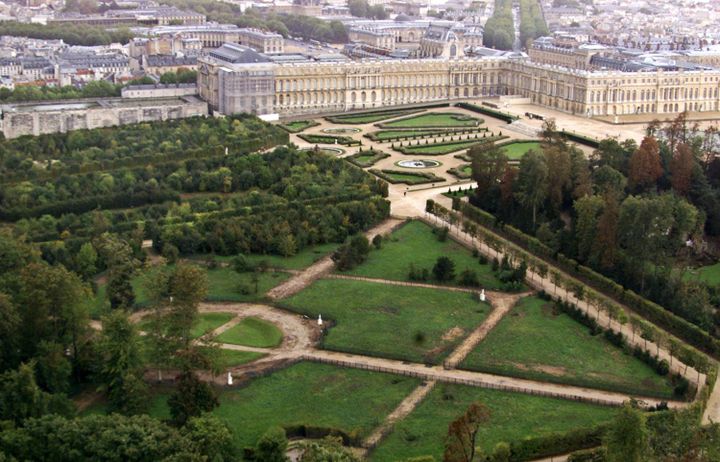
{"x":681,"y":169}
{"x":627,"y":437}
{"x":588,"y":210}
{"x":461,"y":441}
{"x":489,"y":164}
{"x":606,"y":244}
{"x":645,"y":165}
{"x":531,"y":184}
{"x":121,"y":364}
{"x":557,"y":159}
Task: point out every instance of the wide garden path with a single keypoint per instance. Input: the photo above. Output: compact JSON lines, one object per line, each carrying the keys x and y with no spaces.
{"x":323,"y":266}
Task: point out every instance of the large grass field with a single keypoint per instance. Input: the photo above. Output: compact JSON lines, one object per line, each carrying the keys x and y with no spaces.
{"x":446,"y":119}
{"x":709,"y":274}
{"x":515,"y":151}
{"x":408,"y":323}
{"x":414,"y":243}
{"x":513,"y":417}
{"x":252,"y":332}
{"x":533,"y":341}
{"x":307,"y":393}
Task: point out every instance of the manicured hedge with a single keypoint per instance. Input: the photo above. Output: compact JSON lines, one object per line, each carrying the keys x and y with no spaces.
{"x":329,"y":139}
{"x":581,"y":139}
{"x":426,"y":176}
{"x":375,"y":157}
{"x":306,"y":124}
{"x":556,"y":443}
{"x":504,"y":116}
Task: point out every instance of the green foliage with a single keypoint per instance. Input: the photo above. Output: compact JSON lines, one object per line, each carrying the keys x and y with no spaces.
{"x":272,"y":445}
{"x":113,"y":438}
{"x":404,"y":176}
{"x":360,"y":8}
{"x":350,"y":255}
{"x":444,"y":269}
{"x":86,"y":35}
{"x":191,"y":398}
{"x":499,"y":28}
{"x":367,"y":158}
{"x":180,"y":76}
{"x":532,"y":22}
{"x":626,"y":439}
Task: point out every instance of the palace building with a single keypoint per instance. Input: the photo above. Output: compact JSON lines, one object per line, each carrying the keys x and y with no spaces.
{"x":234,"y":78}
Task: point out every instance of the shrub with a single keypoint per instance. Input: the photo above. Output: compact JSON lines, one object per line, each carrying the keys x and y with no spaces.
{"x":444,"y":269}
{"x":469,"y":278}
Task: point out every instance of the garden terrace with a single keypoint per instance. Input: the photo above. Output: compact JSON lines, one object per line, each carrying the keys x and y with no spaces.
{"x":404,"y":176}
{"x":367,"y":158}
{"x":514,"y":418}
{"x":445,"y":147}
{"x":396,"y":135}
{"x":406,"y":323}
{"x":298,"y":125}
{"x":434,"y":120}
{"x":329,"y":139}
{"x":370,"y":117}
{"x":537,"y":341}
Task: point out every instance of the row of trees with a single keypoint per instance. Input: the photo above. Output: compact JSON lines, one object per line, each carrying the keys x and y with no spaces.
{"x":595,"y":302}
{"x":361,"y":9}
{"x":630,"y":212}
{"x":532,"y":22}
{"x":499,"y":30}
{"x":86,"y":35}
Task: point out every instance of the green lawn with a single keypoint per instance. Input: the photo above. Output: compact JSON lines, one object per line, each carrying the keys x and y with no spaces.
{"x":369,"y":117}
{"x":441,"y":148}
{"x":252,"y":332}
{"x":513,"y":417}
{"x":367,"y":158}
{"x":709,"y":274}
{"x":208,"y":322}
{"x":447,"y":119}
{"x":298,"y":125}
{"x":534,"y":342}
{"x":515,"y":151}
{"x":409,"y":323}
{"x":314,"y":394}
{"x":414,"y":243}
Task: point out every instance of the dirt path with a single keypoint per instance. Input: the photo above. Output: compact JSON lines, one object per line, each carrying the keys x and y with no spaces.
{"x":322,"y":267}
{"x":479,"y":379}
{"x":393,"y":282}
{"x":404,"y":408}
{"x":712,"y":410}
{"x":501,"y":303}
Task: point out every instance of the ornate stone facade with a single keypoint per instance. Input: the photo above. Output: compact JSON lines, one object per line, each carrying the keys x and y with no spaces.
{"x":317,"y":87}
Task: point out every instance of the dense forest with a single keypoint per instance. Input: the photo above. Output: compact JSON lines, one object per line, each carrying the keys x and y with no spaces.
{"x":500,"y":29}
{"x":192,"y":185}
{"x":307,"y":27}
{"x":637,"y":214}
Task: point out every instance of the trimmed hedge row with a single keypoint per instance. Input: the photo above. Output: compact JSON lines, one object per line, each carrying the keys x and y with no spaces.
{"x":308,"y":124}
{"x":504,"y":116}
{"x":653,"y":312}
{"x":429,"y":133}
{"x":556,"y":443}
{"x":376,"y":156}
{"x":460,"y":172}
{"x":427,"y":177}
{"x":329,"y":139}
{"x":464,"y":143}
{"x":581,"y":139}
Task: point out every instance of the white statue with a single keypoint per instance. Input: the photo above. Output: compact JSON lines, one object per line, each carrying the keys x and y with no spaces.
{"x":319,"y":320}
{"x":482,"y":295}
{"x":230,"y":379}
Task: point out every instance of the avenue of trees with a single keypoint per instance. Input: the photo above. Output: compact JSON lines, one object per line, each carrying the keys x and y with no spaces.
{"x":637,"y":214}
{"x":499,"y":30}
{"x":532,"y":22}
